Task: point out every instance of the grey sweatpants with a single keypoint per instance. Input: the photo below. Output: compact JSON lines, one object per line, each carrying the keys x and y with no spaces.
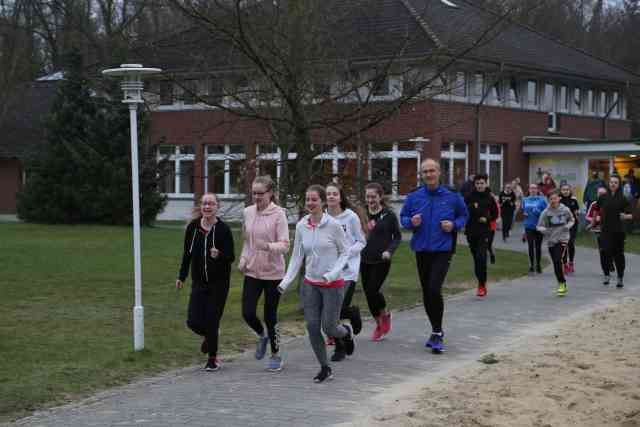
{"x":322,"y":313}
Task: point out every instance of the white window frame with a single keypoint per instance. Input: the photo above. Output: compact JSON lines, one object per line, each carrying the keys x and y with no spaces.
{"x":486,"y":158}
{"x":177,"y":157}
{"x":574,"y":107}
{"x":394,"y":155}
{"x":535,"y":104}
{"x":452,"y":155}
{"x":228,"y":157}
{"x":562,"y":100}
{"x":545,"y":104}
{"x":275,"y":157}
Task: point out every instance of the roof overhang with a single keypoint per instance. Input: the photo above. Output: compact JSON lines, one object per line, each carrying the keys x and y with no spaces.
{"x":551,"y":145}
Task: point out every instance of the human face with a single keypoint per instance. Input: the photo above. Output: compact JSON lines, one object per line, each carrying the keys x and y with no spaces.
{"x":533,"y":189}
{"x":481,"y":185}
{"x":430,"y":171}
{"x":313,"y":203}
{"x":261,"y":196}
{"x":333,"y":197}
{"x":566,"y":191}
{"x":373,"y":199}
{"x":614,"y":184}
{"x":208,"y":206}
{"x":507,"y":188}
{"x":554,"y":200}
{"x":602,"y":191}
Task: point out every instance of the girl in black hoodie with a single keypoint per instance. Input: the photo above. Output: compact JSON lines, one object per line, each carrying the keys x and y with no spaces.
{"x":208,"y":250}
{"x":571,"y":202}
{"x":482,"y":210}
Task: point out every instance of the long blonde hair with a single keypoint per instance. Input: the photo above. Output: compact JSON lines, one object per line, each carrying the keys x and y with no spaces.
{"x":268,"y":183}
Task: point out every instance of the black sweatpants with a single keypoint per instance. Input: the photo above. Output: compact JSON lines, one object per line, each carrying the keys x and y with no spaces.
{"x":605,"y":262}
{"x":206,"y":305}
{"x":373,"y":277}
{"x":432,"y":270}
{"x":571,"y":246}
{"x":507,"y":222}
{"x":349,"y":289}
{"x":558,"y":252}
{"x":479,"y":246}
{"x":534,"y":241}
{"x":251,"y":291}
{"x":613,"y":244}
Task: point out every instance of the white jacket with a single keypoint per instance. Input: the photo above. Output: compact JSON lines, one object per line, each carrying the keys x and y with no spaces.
{"x":356,"y":241}
{"x":324,"y":249}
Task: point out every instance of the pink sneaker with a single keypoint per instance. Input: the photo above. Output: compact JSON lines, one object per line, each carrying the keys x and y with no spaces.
{"x":385,"y":323}
{"x":377,"y":332}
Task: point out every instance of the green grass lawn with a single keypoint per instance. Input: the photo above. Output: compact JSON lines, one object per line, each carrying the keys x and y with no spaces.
{"x":632,"y":242}
{"x":66,"y":309}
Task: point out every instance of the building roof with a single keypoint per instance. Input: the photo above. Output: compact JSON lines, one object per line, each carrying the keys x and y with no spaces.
{"x":22,"y":129}
{"x":374,"y":29}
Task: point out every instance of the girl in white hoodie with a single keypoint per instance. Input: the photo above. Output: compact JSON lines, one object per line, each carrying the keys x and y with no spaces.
{"x":321,"y":243}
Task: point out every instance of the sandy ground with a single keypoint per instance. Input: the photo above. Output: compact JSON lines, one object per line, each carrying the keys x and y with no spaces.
{"x":581,"y":372}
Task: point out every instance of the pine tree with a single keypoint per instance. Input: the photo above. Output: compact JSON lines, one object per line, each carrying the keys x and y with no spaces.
{"x":83,"y":173}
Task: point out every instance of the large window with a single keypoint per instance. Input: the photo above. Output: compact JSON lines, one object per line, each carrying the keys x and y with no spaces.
{"x":176,"y":175}
{"x":548,"y":101}
{"x":454,"y":162}
{"x":577,"y":101}
{"x":395,"y":166}
{"x":563,"y":98}
{"x":513,"y":95}
{"x":225,"y":169}
{"x":491,"y":161}
{"x":532,"y":93}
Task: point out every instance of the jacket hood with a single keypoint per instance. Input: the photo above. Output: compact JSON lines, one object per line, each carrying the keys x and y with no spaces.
{"x":344,"y":214}
{"x":323,"y":221}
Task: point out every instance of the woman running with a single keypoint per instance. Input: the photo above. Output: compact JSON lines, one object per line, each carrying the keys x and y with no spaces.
{"x":340,"y":209}
{"x":532,"y":207}
{"x":321,"y":243}
{"x":594,"y":224}
{"x":571,"y":202}
{"x":555,"y":222}
{"x":508,"y":200}
{"x":383,"y":239}
{"x":266,"y":240}
{"x":208,"y":251}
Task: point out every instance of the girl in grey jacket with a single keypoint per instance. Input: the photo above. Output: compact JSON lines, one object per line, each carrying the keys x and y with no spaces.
{"x":555,"y":224}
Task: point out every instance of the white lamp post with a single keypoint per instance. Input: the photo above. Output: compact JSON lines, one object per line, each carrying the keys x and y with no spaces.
{"x":132,"y":85}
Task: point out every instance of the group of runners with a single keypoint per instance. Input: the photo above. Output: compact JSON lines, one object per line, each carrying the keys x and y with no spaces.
{"x":335,"y":242}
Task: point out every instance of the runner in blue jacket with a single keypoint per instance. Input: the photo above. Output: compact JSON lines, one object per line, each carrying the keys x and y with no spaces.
{"x":433,"y":212}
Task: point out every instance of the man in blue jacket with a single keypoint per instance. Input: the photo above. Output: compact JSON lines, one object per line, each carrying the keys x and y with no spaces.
{"x":433,"y":212}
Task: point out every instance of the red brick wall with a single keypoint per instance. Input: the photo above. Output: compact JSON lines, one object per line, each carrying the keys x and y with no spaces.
{"x":10,"y":184}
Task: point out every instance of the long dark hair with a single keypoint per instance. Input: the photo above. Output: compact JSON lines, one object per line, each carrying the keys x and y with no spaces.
{"x":377,"y":187}
{"x":320,"y":190}
{"x":345,"y":204}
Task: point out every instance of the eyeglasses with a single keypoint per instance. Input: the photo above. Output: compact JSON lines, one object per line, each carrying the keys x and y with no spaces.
{"x":260,"y":193}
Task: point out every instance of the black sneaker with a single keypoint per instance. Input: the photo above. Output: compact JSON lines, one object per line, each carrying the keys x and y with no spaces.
{"x":338,"y":355}
{"x":606,"y":280}
{"x":538,"y":269}
{"x":356,"y":320}
{"x":349,"y":341}
{"x":324,"y":374}
{"x":530,"y":270}
{"x":620,"y":283}
{"x":213,"y":364}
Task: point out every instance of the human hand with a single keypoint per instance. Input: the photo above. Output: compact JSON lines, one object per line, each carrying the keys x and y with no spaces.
{"x":179,"y":284}
{"x":482,"y":220}
{"x":214,"y":253}
{"x":261,"y":245}
{"x":386,"y":255}
{"x":416,"y":220}
{"x":447,"y":226}
{"x":280,"y":289}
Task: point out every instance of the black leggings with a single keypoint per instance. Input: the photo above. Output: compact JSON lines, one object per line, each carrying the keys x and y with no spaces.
{"x":534,"y":241}
{"x":373,"y":277}
{"x":507,"y":222}
{"x":349,"y":289}
{"x":251,"y":292}
{"x":605,"y":262}
{"x":613,"y":244}
{"x":573,"y":233}
{"x":479,"y":246}
{"x":490,"y":237}
{"x":558,"y":252}
{"x":432,"y":270}
{"x":206,"y":305}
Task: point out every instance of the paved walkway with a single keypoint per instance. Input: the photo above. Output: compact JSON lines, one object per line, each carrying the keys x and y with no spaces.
{"x":243,"y":394}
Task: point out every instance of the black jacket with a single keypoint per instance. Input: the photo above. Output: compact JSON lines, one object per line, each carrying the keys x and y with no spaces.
{"x":611,"y":206}
{"x":573,"y":206}
{"x":508,"y":203}
{"x":197,"y":249}
{"x":480,"y":205}
{"x":384,"y":235}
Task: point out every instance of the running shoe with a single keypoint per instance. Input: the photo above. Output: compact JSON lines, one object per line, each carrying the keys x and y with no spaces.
{"x":530,"y":270}
{"x":324,"y":374}
{"x":331,"y":341}
{"x":339,"y":353}
{"x":620,"y":283}
{"x":356,"y":319}
{"x":436,"y":343}
{"x":349,"y":341}
{"x":538,"y":269}
{"x":204,"y":347}
{"x":213,"y":364}
{"x":482,"y":290}
{"x":377,"y":332}
{"x":606,"y":280}
{"x":275,"y":364}
{"x":562,"y":289}
{"x":385,"y":323}
{"x":261,"y":347}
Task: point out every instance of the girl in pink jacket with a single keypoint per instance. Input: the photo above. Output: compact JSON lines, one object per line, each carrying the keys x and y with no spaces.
{"x":266,"y":240}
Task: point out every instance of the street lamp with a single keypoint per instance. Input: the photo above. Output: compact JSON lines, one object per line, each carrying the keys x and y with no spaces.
{"x":132,"y":85}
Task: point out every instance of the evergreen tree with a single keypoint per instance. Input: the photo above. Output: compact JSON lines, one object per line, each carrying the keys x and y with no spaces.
{"x":83,"y":173}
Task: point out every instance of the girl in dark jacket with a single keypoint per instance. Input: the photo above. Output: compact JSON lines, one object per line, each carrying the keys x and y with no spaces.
{"x":208,"y":250}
